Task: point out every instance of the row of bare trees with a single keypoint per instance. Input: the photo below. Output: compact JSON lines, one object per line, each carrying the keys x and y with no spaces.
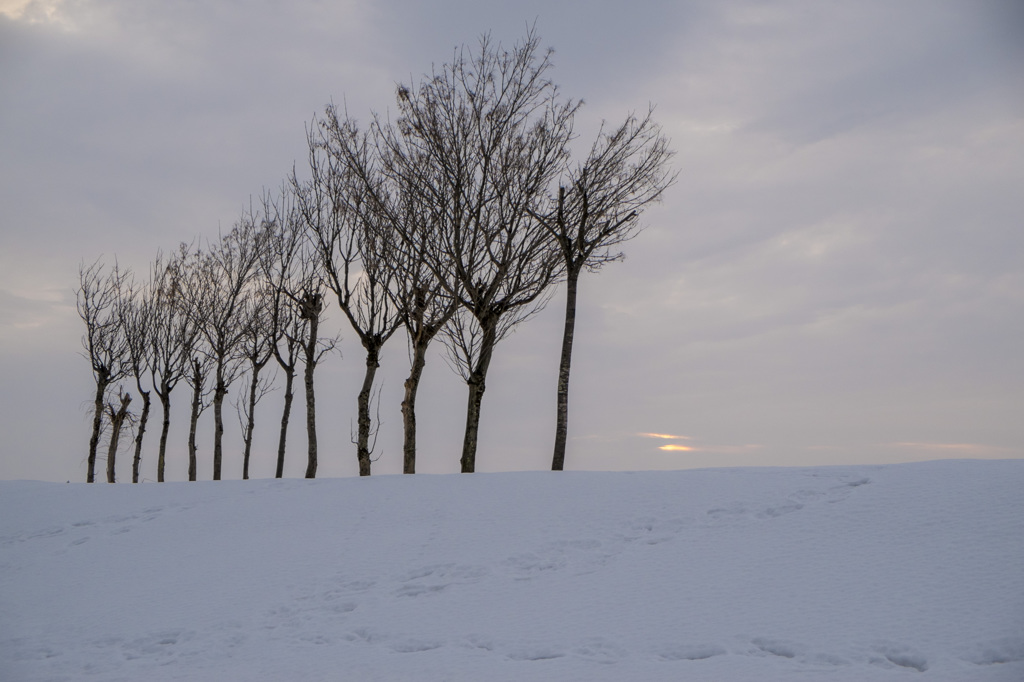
{"x":453,"y":221}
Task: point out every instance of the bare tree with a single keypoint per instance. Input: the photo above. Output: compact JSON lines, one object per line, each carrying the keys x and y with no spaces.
{"x":199,"y":360}
{"x":256,"y":348}
{"x":200,"y":364}
{"x":291,"y":269}
{"x":118,"y":415}
{"x":136,"y":314}
{"x":286,"y":352}
{"x":423,"y":304}
{"x":104,"y":341}
{"x":391,"y":177}
{"x":597,"y":208}
{"x":333,"y":206}
{"x":217,"y":302}
{"x":493,"y":129}
{"x":172,"y":335}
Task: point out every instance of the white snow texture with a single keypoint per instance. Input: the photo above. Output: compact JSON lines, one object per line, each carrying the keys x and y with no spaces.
{"x":896,"y":572}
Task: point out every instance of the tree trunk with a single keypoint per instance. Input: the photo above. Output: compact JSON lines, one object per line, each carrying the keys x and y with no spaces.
{"x":285,"y":416}
{"x":363,"y":443}
{"x":197,"y":397}
{"x":250,"y":425}
{"x":310,"y":349}
{"x":116,"y":421}
{"x":419,"y":360}
{"x":143,"y":418}
{"x":165,"y":402}
{"x":562,"y":422}
{"x":477,"y":385}
{"x":97,"y":424}
{"x":218,"y":421}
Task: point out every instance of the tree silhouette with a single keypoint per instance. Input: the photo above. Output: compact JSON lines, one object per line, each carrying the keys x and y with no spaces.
{"x":104,"y":340}
{"x":597,"y":208}
{"x":493,"y":130}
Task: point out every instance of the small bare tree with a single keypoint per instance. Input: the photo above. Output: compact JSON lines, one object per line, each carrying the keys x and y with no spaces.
{"x":291,"y":268}
{"x":256,"y":347}
{"x":136,"y":313}
{"x":494,"y":131}
{"x":225,"y":273}
{"x":333,"y":207}
{"x":104,"y":341}
{"x":597,"y":208}
{"x":118,"y":415}
{"x":172,"y":336}
{"x":199,"y":357}
{"x":200,"y":363}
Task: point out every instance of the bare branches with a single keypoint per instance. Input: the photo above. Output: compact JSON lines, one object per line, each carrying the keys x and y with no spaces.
{"x":444,"y":220}
{"x":477,"y":144}
{"x":104,"y":341}
{"x":220,"y":286}
{"x":294,"y":270}
{"x":596,"y":210}
{"x":598,"y":206}
{"x":334,"y":205}
{"x":171,"y":335}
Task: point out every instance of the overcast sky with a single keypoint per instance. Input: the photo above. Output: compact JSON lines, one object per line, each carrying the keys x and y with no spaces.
{"x":837,"y":276}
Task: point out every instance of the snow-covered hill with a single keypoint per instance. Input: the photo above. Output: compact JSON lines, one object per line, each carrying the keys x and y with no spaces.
{"x":900,"y":572}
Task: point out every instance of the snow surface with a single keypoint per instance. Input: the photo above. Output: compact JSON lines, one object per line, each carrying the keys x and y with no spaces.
{"x":897,"y":572}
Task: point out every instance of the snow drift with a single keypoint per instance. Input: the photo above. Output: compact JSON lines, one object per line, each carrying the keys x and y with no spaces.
{"x":898,"y":572}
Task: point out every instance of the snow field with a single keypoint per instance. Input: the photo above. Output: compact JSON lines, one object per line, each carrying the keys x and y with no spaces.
{"x":898,"y":572}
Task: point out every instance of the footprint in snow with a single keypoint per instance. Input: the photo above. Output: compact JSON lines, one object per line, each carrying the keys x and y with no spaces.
{"x":535,"y":653}
{"x":775,"y":647}
{"x":690,"y":652}
{"x":889,"y":655}
{"x":600,"y":650}
{"x":438,"y":577}
{"x":1005,"y":650}
{"x":415,"y":646}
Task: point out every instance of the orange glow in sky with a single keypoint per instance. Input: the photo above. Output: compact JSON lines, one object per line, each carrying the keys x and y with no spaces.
{"x":675,"y":446}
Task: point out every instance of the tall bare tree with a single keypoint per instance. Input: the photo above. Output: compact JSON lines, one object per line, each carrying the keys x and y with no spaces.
{"x":494,"y":130}
{"x":392,"y":178}
{"x":332,"y":204}
{"x":597,"y":208}
{"x":104,"y":341}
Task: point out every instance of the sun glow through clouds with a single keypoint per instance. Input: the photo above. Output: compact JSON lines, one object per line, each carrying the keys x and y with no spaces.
{"x":676,"y":447}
